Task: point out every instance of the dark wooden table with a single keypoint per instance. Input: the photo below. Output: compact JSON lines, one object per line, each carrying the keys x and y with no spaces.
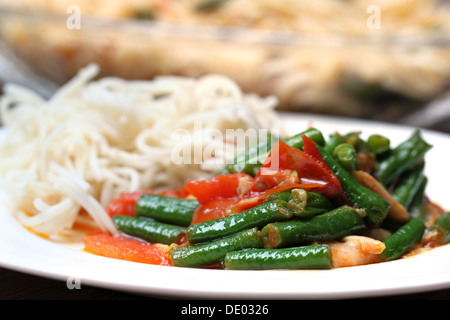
{"x":20,"y":286}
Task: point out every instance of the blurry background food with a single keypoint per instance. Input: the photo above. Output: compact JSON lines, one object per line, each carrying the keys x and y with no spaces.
{"x":315,"y":56}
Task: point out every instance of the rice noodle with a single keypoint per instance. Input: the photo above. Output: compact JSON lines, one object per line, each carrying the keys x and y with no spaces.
{"x":95,"y":139}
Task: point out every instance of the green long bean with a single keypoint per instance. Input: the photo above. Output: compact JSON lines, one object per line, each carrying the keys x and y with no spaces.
{"x":345,"y":154}
{"x":417,"y":208}
{"x":408,"y":185}
{"x":317,"y":256}
{"x":149,"y":230}
{"x":296,"y":141}
{"x":257,"y":216}
{"x":378,"y":144}
{"x":305,"y":204}
{"x":207,"y":253}
{"x":333,"y":141}
{"x":281,"y":195}
{"x":402,"y":157}
{"x":171,"y":210}
{"x":403,"y":239}
{"x":442,"y":227}
{"x":375,"y":206}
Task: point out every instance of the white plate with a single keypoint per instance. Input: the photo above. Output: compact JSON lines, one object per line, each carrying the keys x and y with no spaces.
{"x":21,"y":250}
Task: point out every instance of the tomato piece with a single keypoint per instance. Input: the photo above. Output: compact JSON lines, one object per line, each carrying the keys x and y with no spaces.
{"x":221,"y":186}
{"x":289,"y":163}
{"x":333,"y":188}
{"x":271,"y":179}
{"x":124,"y":205}
{"x":214,"y":209}
{"x":309,"y":147}
{"x":124,"y":248}
{"x":295,"y":165}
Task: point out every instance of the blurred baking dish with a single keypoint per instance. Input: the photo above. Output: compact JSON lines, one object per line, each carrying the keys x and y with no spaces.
{"x":319,"y":56}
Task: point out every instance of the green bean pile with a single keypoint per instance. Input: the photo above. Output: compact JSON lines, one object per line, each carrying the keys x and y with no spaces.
{"x":292,"y":229}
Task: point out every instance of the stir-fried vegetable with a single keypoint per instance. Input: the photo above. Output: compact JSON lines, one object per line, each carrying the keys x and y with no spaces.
{"x":316,"y":256}
{"x":287,"y":208}
{"x":166,"y":209}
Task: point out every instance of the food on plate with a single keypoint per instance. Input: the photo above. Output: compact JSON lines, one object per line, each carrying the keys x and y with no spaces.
{"x":318,"y":56}
{"x":305,"y":205}
{"x":149,"y":172}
